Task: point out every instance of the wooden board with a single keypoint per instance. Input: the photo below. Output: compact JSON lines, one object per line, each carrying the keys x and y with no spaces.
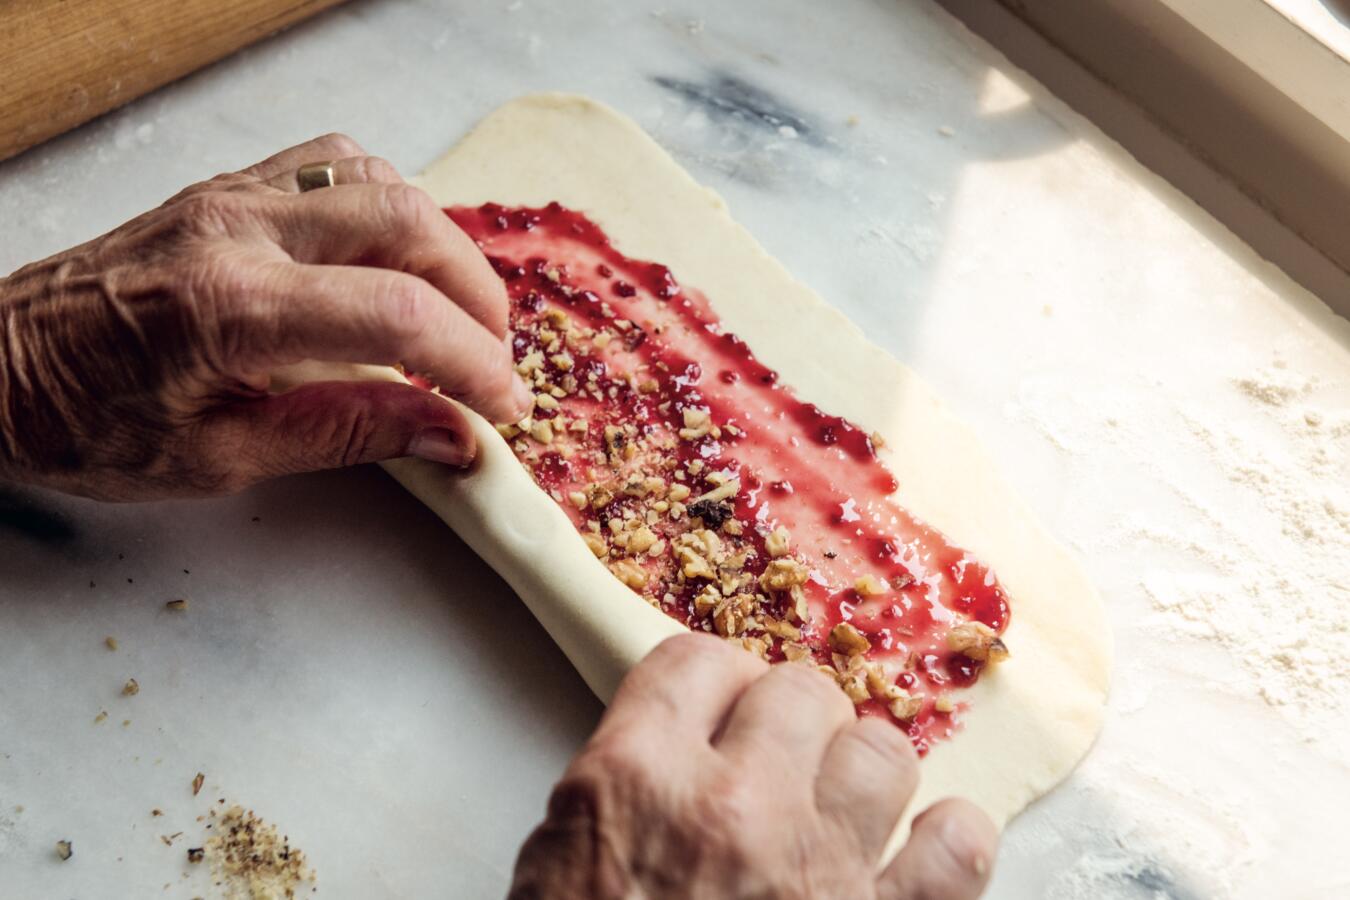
{"x":64,"y":63}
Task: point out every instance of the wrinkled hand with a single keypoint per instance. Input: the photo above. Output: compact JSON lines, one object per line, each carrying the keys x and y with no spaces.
{"x":713,"y":775}
{"x":135,"y":366}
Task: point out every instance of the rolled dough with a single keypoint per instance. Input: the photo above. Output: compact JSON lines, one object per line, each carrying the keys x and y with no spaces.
{"x":1032,"y":718}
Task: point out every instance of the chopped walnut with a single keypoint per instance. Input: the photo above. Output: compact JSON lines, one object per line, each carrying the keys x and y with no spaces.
{"x":780,"y":629}
{"x":796,"y":652}
{"x":783,"y":574}
{"x":532,"y":362}
{"x":757,"y":646}
{"x":641,"y":540}
{"x":697,"y":423}
{"x":777,"y":543}
{"x":546,"y":401}
{"x":695,"y":551}
{"x":905,"y":707}
{"x":728,"y":621}
{"x":630,"y":573}
{"x":131,"y":688}
{"x":596,"y":544}
{"x":679,"y":492}
{"x":542,"y":431}
{"x":600,"y":495}
{"x":722,"y":492}
{"x":854,"y":686}
{"x":977,"y":641}
{"x":249,"y":858}
{"x":944,"y":704}
{"x":706,"y":601}
{"x":878,"y":684}
{"x":870,"y":586}
{"x":846,"y":639}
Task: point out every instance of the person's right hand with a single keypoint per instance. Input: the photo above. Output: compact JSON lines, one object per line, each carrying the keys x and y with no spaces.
{"x":713,"y":775}
{"x":136,"y":365}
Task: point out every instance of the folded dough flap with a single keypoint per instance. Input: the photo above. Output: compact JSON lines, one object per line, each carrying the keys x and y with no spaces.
{"x":602,"y":626}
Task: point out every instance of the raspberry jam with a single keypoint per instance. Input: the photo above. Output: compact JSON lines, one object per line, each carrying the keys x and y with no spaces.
{"x":710,"y":489}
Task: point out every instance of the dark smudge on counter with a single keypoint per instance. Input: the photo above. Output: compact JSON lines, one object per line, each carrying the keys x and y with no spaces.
{"x":730,"y":99}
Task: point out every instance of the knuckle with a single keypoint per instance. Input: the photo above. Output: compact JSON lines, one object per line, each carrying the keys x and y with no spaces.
{"x":351,"y":437}
{"x":404,"y":310}
{"x":498,"y":371}
{"x":213,"y":290}
{"x":339,"y":144}
{"x":619,"y":758}
{"x":819,"y":689}
{"x":210,"y":274}
{"x":577,"y":795}
{"x":230,"y":181}
{"x":695,"y":649}
{"x":376,"y":169}
{"x":213,"y":211}
{"x":886,"y":743}
{"x":731,"y":812}
{"x":409,"y":207}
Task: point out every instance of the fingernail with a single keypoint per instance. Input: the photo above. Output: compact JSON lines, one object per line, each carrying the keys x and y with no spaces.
{"x":439,"y":445}
{"x":524,"y":398}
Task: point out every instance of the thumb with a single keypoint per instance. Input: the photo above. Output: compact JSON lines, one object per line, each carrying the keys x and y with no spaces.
{"x":326,"y":425}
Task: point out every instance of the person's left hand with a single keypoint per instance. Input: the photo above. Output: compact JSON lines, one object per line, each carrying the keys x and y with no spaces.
{"x":136,"y":365}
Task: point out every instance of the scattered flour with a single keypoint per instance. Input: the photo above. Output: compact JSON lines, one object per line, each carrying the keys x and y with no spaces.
{"x":1274,"y":387}
{"x":1258,"y":562}
{"x":1280,"y":606}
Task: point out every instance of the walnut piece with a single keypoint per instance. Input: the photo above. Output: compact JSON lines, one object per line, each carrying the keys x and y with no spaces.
{"x":870,"y":586}
{"x":777,"y":542}
{"x":630,"y":573}
{"x":596,"y":543}
{"x":846,"y":639}
{"x":977,"y":641}
{"x":905,"y":707}
{"x":783,"y":574}
{"x":697,"y":423}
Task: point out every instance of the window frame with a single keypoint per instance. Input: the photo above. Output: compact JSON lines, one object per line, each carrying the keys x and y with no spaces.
{"x":1231,"y":100}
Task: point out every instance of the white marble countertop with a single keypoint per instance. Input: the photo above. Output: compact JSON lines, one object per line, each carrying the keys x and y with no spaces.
{"x":1175,"y":409}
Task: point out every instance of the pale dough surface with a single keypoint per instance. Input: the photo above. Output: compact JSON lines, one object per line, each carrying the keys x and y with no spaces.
{"x":1033,"y":717}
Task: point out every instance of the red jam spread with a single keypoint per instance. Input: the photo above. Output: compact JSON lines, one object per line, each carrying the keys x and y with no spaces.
{"x":711,"y":490}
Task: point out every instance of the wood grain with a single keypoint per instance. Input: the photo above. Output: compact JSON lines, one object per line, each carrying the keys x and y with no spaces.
{"x":63,"y":62}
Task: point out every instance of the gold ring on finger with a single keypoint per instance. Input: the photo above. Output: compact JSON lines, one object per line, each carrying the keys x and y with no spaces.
{"x":315,"y":175}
